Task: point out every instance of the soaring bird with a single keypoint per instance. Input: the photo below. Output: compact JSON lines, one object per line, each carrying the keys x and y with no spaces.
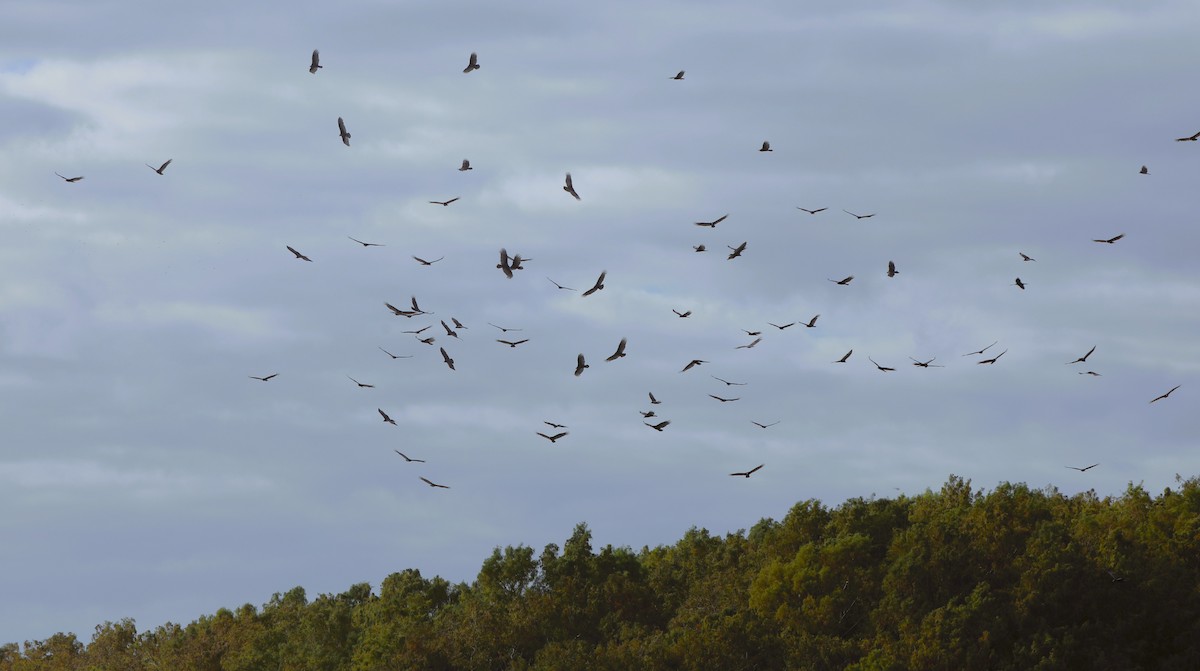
{"x":884,"y":369}
{"x":859,"y":216}
{"x":433,"y":484}
{"x":580,"y":365}
{"x":812,"y":323}
{"x":1019,"y":284}
{"x":449,"y":331}
{"x":926,"y":364}
{"x":658,"y":427}
{"x":554,"y":438}
{"x":1090,"y":372}
{"x":387,"y":419}
{"x":446,"y":358}
{"x":892,"y":269}
{"x":268,"y":377}
{"x":753,"y":333}
{"x":1191,"y":138}
{"x":982,"y":350}
{"x":343,"y":133}
{"x":554,"y":426}
{"x":1144,"y":171}
{"x":1026,"y":257}
{"x":517,"y":261}
{"x":712,"y":224}
{"x":511,"y":343}
{"x":737,"y":251}
{"x":504,"y":265}
{"x":73,"y":179}
{"x":457,"y":324}
{"x":423,"y":328}
{"x":647,"y":414}
{"x":1076,"y":468}
{"x":298,"y":254}
{"x":408,"y":458}
{"x":819,"y":209}
{"x":725,"y":400}
{"x":427,"y":263}
{"x":556,"y":284}
{"x":692,"y":363}
{"x":844,"y":357}
{"x":361,"y":385}
{"x":427,"y":341}
{"x":570,"y":187}
{"x":367,"y":244}
{"x":598,"y":285}
{"x":160,"y":168}
{"x":417,"y":308}
{"x":406,"y":356}
{"x":749,"y":472}
{"x":397,"y":311}
{"x":679,"y":76}
{"x":619,"y":353}
{"x":699,"y":248}
{"x":316,"y":62}
{"x":681,"y":314}
{"x":993,"y":359}
{"x":752,"y":344}
{"x":781,"y":326}
{"x":653,"y":401}
{"x":1111,"y":240}
{"x":763,"y":426}
{"x":1084,"y":357}
{"x":1159,"y":398}
{"x":844,"y":281}
{"x":465,"y":166}
{"x":443,"y":203}
{"x":473,"y":64}
{"x":766,"y":146}
{"x":504,"y":330}
{"x":728,"y":383}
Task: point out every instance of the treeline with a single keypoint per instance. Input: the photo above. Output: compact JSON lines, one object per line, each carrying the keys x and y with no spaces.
{"x":1015,"y":578}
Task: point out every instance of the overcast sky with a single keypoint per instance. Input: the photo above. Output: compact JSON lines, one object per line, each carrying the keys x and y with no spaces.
{"x":144,"y":474}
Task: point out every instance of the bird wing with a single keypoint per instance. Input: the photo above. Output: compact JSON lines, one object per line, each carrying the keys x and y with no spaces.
{"x":752,"y":470}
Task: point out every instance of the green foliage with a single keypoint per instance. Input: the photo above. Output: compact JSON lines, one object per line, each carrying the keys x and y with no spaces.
{"x":1014,"y":578}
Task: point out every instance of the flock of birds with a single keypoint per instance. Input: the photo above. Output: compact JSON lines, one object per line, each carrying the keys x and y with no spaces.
{"x":510,"y":264}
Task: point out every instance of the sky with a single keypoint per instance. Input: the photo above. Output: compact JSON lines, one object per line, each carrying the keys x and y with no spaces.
{"x":144,"y":474}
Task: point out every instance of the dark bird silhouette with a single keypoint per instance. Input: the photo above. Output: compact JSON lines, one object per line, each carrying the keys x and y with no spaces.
{"x":449,"y":331}
{"x":554,"y":426}
{"x":647,"y":414}
{"x":466,"y":165}
{"x":569,"y":187}
{"x":160,"y":168}
{"x":316,"y":62}
{"x":781,"y":327}
{"x":598,"y":285}
{"x":511,"y":343}
{"x":737,"y":251}
{"x":1090,"y":372}
{"x":812,"y":323}
{"x":423,"y":328}
{"x":580,"y":365}
{"x":699,"y":248}
{"x":724,"y":400}
{"x":1026,"y":257}
{"x":397,"y":311}
{"x":1111,"y":240}
{"x":1019,"y":284}
{"x":1159,"y":398}
{"x":1084,"y":357}
{"x":1191,"y":138}
{"x":691,"y":364}
{"x":748,"y":473}
{"x":556,"y":284}
{"x":653,"y":401}
{"x":712,"y":224}
{"x":434,"y":484}
{"x":752,"y":344}
{"x":766,"y":146}
{"x":472,"y":64}
{"x":619,"y":353}
{"x":1076,"y":468}
{"x":268,"y":377}
{"x":728,"y":383}
{"x":892,"y":269}
{"x":753,"y":333}
{"x":1144,"y":171}
{"x":844,"y":281}
{"x":926,"y":364}
{"x":408,"y":458}
{"x":885,"y":369}
{"x":554,"y":438}
{"x":427,"y":263}
{"x":504,"y":264}
{"x":427,"y":341}
{"x":819,"y":209}
{"x":386,"y":419}
{"x":763,"y":426}
{"x":681,"y":314}
{"x":981,"y":351}
{"x":859,"y":216}
{"x":417,"y":308}
{"x":407,"y":356}
{"x":517,"y":261}
{"x":343,"y":133}
{"x":73,"y":179}
{"x":298,"y":254}
{"x":444,"y":203}
{"x":366,"y":244}
{"x":361,"y":385}
{"x":844,"y":357}
{"x":658,"y":427}
{"x":502,"y":329}
{"x":679,"y":76}
{"x":446,"y":358}
{"x":993,"y":359}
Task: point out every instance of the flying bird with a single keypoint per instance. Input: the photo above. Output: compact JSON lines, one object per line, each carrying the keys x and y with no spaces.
{"x":417,"y":308}
{"x":752,"y":344}
{"x":859,"y":216}
{"x":763,"y":426}
{"x":692,"y":363}
{"x":1192,"y":138}
{"x":737,"y":251}
{"x":926,"y":364}
{"x":844,"y":357}
{"x":504,"y":330}
{"x":268,"y":377}
{"x":699,"y":248}
{"x":1019,"y":284}
{"x":511,"y":343}
{"x":993,"y":359}
{"x":580,"y":365}
{"x":554,"y":426}
{"x":753,"y":333}
{"x":517,"y":261}
{"x":446,"y":358}
{"x":449,"y":331}
{"x":428,"y":341}
{"x":1111,"y":240}
{"x":1026,"y":257}
{"x":1144,"y":171}
{"x":386,"y":419}
{"x":433,"y":484}
{"x":423,"y":328}
{"x":554,"y":438}
{"x":653,"y":401}
{"x":345,"y":135}
{"x":658,"y":427}
{"x":892,"y":269}
{"x":749,"y":472}
{"x":619,"y":353}
{"x":1076,"y":468}
{"x":397,"y":311}
{"x":316,"y":62}
{"x":681,"y":314}
{"x":598,"y":285}
{"x":819,"y":209}
{"x":444,"y":203}
{"x":298,"y":254}
{"x":1159,"y":398}
{"x":366,"y":244}
{"x":712,"y":224}
{"x":361,"y":385}
{"x":408,"y":356}
{"x":504,"y":265}
{"x":559,"y":285}
{"x":427,"y":263}
{"x":725,"y":400}
{"x":679,"y":76}
{"x":1090,"y":372}
{"x":73,"y":179}
{"x":884,"y":369}
{"x":982,"y":350}
{"x":781,"y":327}
{"x":466,"y":165}
{"x":160,"y":168}
{"x":408,"y":458}
{"x":728,"y":383}
{"x":812,"y":323}
{"x":766,"y":146}
{"x":570,"y":187}
{"x":845,"y":281}
{"x":1084,"y":357}
{"x":473,"y":64}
